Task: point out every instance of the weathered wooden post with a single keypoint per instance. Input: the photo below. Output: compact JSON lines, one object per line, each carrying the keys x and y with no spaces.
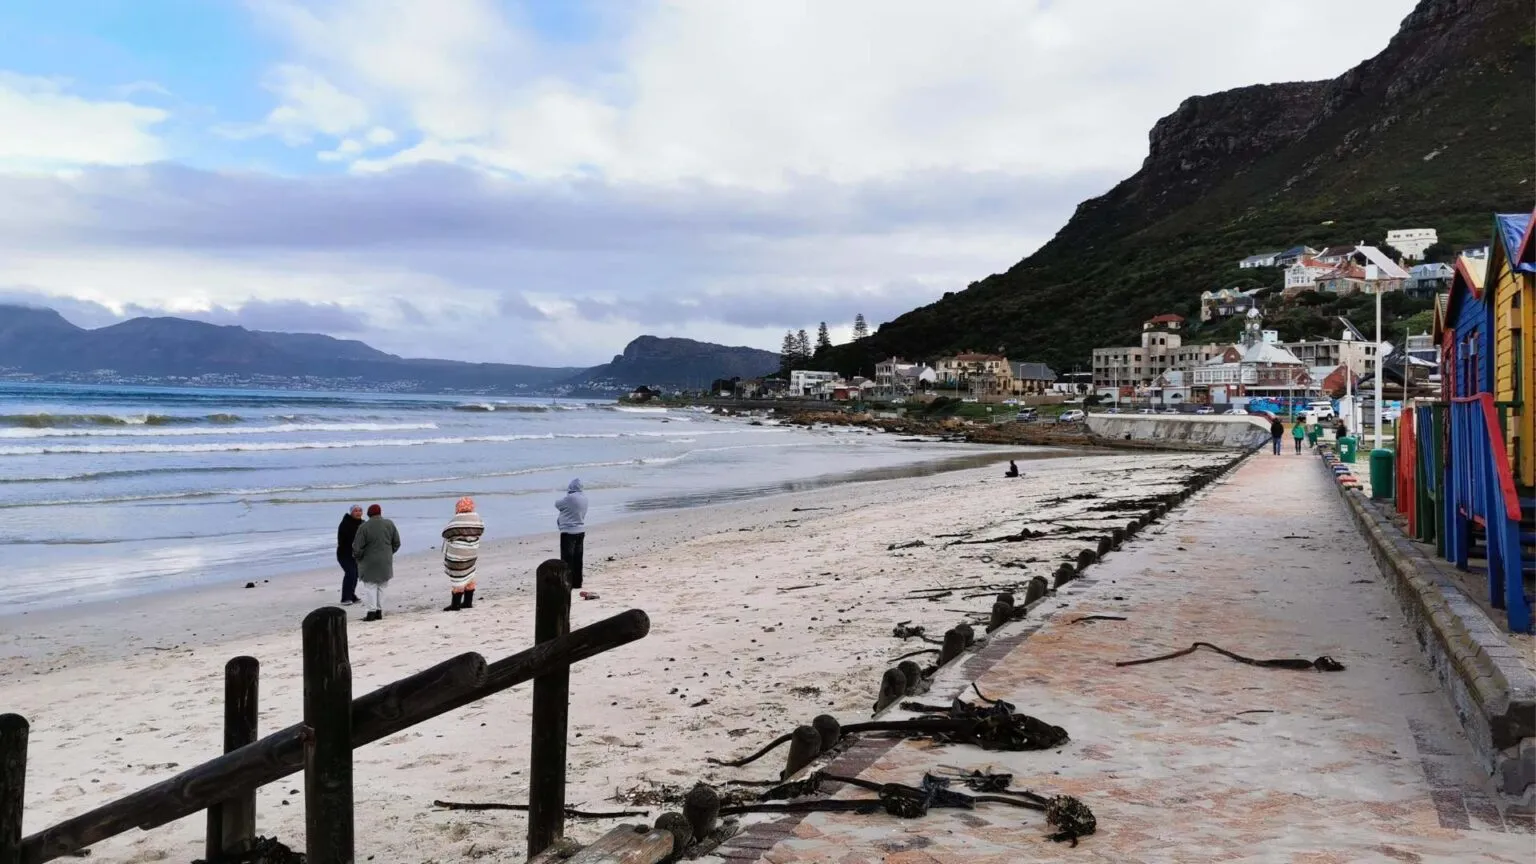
{"x":893,"y":686}
{"x":13,"y":784}
{"x":551,"y":705}
{"x":954,"y":643}
{"x":804,"y":747}
{"x":1001,"y":613}
{"x":232,"y":823}
{"x":328,"y":831}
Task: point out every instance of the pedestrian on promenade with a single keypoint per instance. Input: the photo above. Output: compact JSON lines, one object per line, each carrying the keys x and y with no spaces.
{"x":461,"y":550}
{"x":1314,"y":426}
{"x":1276,"y":430}
{"x":374,"y":548}
{"x":346,"y":532}
{"x":1298,"y":432}
{"x":572,"y":523}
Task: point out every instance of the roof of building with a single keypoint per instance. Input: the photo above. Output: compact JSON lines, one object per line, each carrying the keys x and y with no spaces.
{"x":1510,"y":229}
{"x":1470,"y":274}
{"x":1033,"y":372}
{"x":1528,"y":242}
{"x":1389,"y":268}
{"x":1336,"y":252}
{"x":1165,"y":318}
{"x":1431,"y":271}
{"x":1295,"y":251}
{"x":1262,"y":256}
{"x":977,"y":358}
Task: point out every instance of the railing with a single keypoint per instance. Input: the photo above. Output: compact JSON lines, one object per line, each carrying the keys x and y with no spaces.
{"x":1481,"y":488}
{"x":334,"y":725}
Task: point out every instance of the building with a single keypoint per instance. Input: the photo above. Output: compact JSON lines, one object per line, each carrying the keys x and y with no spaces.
{"x":1359,"y":356}
{"x":807,"y":383}
{"x":1510,"y":291}
{"x":1367,"y":269}
{"x":1162,"y":348}
{"x":1412,"y":241}
{"x":1427,"y":280}
{"x":1263,"y":259}
{"x":1335,"y":254}
{"x":982,"y":374}
{"x":1226,"y":302}
{"x":1293,"y":255}
{"x":896,"y":377}
{"x":1302,"y":275}
{"x":1030,"y":379}
{"x":1254,"y":367}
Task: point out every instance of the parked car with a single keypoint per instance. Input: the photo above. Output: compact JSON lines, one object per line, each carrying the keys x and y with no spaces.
{"x":1145,"y":411}
{"x":1072,"y":416}
{"x":1112,"y":411}
{"x":1205,"y":409}
{"x":1235,"y":411}
{"x":1028,"y":415}
{"x":1322,"y":408}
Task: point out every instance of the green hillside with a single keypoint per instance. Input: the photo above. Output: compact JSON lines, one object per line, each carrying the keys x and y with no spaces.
{"x":1436,"y":131}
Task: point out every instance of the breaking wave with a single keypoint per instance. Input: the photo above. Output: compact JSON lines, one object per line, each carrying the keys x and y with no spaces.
{"x":183,"y":431}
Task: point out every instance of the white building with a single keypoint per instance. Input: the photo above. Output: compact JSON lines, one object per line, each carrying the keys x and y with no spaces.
{"x":1263,"y":259}
{"x":1304,"y":275}
{"x":1412,"y":241}
{"x":806,"y":382}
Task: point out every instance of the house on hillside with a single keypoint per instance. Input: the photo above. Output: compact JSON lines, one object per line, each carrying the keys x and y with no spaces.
{"x":1302,"y":275}
{"x":896,"y":377}
{"x":1294,"y":254}
{"x":1263,"y":259}
{"x":1335,"y":254}
{"x":1427,"y":280}
{"x":1412,"y":241}
{"x":1029,"y":379}
{"x":982,"y":374}
{"x":1226,"y":302}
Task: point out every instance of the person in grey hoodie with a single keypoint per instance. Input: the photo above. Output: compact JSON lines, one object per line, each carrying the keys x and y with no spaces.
{"x":572,"y":523}
{"x":374,"y":548}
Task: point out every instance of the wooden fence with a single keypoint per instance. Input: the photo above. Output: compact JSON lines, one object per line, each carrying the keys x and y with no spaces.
{"x":335,"y":724}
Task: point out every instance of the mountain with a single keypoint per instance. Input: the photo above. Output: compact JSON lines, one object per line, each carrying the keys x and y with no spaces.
{"x":1435,"y":131}
{"x":680,"y":363}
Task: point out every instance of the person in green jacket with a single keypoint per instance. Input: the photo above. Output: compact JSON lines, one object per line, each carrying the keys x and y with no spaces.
{"x":1313,"y":430}
{"x":1298,"y":432}
{"x":374,"y":548}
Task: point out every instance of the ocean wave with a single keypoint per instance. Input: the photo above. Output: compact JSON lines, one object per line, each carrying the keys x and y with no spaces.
{"x":136,"y":472}
{"x":488,"y":407}
{"x":183,"y":431}
{"x":261,"y":446}
{"x":43,"y":420}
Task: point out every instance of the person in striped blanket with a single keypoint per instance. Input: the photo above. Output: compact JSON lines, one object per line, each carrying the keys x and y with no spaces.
{"x":461,"y":549}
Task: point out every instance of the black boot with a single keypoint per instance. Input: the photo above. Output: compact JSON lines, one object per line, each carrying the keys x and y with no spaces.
{"x":374,"y":615}
{"x":456,"y":604}
{"x":469,"y":599}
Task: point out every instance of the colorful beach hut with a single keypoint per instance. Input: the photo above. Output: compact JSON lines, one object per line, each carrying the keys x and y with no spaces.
{"x":1479,"y":489}
{"x":1511,"y":288}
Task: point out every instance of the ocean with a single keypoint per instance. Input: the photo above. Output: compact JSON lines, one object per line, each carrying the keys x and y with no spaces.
{"x":107,"y":492}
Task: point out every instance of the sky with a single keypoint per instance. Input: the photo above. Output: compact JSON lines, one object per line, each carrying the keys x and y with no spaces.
{"x":541,"y":181}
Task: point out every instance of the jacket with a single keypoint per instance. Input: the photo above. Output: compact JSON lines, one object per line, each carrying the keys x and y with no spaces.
{"x":573,"y":510}
{"x":346,"y":532}
{"x":374,"y":548}
{"x":1298,"y":431}
{"x":1276,"y":429}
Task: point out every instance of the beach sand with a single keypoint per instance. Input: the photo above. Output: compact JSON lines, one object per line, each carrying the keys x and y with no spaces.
{"x":764,"y":613}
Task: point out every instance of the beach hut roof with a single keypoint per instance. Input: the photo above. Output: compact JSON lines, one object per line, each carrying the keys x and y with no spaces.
{"x":1440,"y":304}
{"x":1510,"y":231}
{"x":1527,"y":251}
{"x":1470,"y":274}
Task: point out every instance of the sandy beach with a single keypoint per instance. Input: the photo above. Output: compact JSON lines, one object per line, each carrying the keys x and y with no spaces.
{"x":764,"y":613}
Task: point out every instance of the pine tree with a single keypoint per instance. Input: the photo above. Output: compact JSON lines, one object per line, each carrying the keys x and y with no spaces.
{"x":860,"y":326}
{"x":790,"y":353}
{"x":823,"y":338}
{"x":803,"y":345}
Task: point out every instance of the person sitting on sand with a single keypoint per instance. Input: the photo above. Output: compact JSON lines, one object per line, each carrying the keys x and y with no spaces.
{"x":1013,"y":469}
{"x":375,"y":547}
{"x":346,"y":532}
{"x":572,"y":523}
{"x":461,"y":549}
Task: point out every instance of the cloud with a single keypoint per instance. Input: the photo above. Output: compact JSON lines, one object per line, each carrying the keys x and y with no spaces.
{"x":756,"y":92}
{"x":43,"y":126}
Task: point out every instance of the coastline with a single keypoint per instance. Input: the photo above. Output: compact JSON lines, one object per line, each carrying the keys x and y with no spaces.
{"x":763,"y":612}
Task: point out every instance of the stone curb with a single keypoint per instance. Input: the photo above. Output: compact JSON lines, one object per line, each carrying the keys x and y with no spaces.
{"x":1494,"y":694}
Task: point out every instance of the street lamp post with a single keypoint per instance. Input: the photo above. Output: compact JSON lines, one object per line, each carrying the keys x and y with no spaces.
{"x":1380,"y":365}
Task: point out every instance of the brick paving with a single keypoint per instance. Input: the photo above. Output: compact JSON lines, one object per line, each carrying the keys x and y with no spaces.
{"x":1201,"y":758}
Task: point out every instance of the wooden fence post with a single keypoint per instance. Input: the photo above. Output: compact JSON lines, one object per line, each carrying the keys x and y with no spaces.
{"x":551,"y":705}
{"x":328,"y":753}
{"x":13,"y":784}
{"x":232,"y":823}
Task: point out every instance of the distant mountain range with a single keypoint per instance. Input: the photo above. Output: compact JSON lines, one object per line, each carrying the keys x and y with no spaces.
{"x":40,"y":342}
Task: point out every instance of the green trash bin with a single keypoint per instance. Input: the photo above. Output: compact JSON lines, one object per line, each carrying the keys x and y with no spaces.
{"x":1347,"y":446}
{"x":1383,"y":467}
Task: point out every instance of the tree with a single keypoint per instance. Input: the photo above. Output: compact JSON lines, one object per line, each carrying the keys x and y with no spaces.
{"x":789,"y":354}
{"x":860,"y":327}
{"x":823,"y":338}
{"x":803,"y":346}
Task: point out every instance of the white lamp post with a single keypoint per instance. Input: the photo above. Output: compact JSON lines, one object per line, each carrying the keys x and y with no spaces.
{"x":1373,"y":276}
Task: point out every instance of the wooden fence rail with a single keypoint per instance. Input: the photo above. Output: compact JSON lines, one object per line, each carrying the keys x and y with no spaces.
{"x":334,"y":725}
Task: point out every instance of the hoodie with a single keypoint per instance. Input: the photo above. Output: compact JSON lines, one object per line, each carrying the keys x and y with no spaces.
{"x":573,"y":510}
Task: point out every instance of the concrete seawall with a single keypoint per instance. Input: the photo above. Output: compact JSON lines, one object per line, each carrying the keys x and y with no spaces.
{"x":1238,"y":433}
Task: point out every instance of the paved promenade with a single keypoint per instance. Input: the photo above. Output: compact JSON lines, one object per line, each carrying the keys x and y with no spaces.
{"x":1201,"y":758}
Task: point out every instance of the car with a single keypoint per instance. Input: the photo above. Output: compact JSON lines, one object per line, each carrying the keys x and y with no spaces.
{"x":1169,"y":411}
{"x":1235,"y":412}
{"x":1145,"y":411}
{"x":1112,"y":411}
{"x":1073,"y":416}
{"x":1027,"y":415}
{"x":1205,"y":409}
{"x":1322,"y":409}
